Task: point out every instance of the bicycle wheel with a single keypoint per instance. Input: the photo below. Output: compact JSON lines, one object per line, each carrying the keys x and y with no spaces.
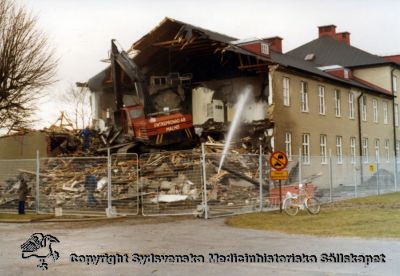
{"x":313,"y":205}
{"x":290,"y":208}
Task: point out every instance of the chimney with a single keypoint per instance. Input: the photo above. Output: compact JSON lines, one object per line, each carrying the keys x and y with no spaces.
{"x":275,"y":43}
{"x":329,"y":30}
{"x":344,"y":37}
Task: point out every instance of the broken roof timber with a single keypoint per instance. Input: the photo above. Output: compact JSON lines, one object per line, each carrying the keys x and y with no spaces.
{"x":178,"y":45}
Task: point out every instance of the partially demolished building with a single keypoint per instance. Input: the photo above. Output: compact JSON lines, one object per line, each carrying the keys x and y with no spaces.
{"x":304,"y":106}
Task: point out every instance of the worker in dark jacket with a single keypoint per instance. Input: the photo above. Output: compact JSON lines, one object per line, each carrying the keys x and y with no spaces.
{"x":22,"y":193}
{"x":86,"y":135}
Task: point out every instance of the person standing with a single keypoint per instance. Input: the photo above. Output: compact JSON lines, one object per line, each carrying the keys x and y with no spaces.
{"x":22,"y":193}
{"x":86,"y":135}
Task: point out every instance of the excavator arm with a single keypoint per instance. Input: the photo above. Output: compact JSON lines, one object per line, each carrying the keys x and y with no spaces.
{"x":120,"y":61}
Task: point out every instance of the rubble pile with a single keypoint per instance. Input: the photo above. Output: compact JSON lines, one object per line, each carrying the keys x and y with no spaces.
{"x":251,"y":135}
{"x":175,"y":179}
{"x":171,"y":179}
{"x":168,"y":179}
{"x":10,"y":187}
{"x":236,"y":184}
{"x":63,"y":183}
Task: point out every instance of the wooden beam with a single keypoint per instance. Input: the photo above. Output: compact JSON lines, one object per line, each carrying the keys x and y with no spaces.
{"x":170,"y":42}
{"x":253,"y":66}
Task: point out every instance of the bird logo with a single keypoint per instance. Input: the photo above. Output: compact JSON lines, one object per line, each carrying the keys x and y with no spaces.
{"x":40,"y":246}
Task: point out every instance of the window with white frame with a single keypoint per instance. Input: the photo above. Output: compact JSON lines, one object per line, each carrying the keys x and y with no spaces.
{"x":321,"y":94}
{"x":322,"y":147}
{"x":375,"y":110}
{"x":304,"y":96}
{"x":305,"y":142}
{"x":385,"y":113}
{"x":337,"y":103}
{"x":364,"y":108}
{"x":394,"y":83}
{"x":387,"y":154}
{"x":264,"y":49}
{"x":286,"y":91}
{"x":396,"y":115}
{"x":377,"y":150}
{"x":365,"y":149}
{"x":351,"y":105}
{"x":288,"y":145}
{"x":339,"y":150}
{"x":353,"y":149}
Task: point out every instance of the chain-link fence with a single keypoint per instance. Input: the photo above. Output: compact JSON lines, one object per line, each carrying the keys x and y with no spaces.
{"x":171,"y":183}
{"x":232,"y":183}
{"x":185,"y":182}
{"x":125,"y":183}
{"x":12,"y":172}
{"x":73,"y":184}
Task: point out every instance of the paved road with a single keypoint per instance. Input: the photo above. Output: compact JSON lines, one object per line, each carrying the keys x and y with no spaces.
{"x":184,"y":237}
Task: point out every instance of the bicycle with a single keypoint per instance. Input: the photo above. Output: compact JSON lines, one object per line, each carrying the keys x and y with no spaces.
{"x":295,"y":202}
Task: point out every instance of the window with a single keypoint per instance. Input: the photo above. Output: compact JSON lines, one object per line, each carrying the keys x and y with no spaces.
{"x":304,"y":96}
{"x":286,"y":92}
{"x":394,"y":83}
{"x":339,"y":150}
{"x":396,"y":115}
{"x":351,"y":105}
{"x":377,"y":150}
{"x":305,"y":142}
{"x":337,"y":103}
{"x":346,"y":73}
{"x":385,"y":113}
{"x":322,"y":147}
{"x":364,"y":108}
{"x":387,"y":150}
{"x":353,"y":149}
{"x":264,"y":49}
{"x":288,"y":145}
{"x":375,"y":110}
{"x":309,"y":57}
{"x":365,"y":149}
{"x":321,"y":94}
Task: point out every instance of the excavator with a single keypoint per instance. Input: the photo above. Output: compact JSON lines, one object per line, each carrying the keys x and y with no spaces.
{"x":141,"y":124}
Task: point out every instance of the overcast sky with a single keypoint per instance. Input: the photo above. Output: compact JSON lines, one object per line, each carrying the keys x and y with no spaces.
{"x":81,"y":30}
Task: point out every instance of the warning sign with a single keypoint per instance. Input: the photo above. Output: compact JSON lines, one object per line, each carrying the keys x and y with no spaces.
{"x":279,"y":175}
{"x":278,"y":160}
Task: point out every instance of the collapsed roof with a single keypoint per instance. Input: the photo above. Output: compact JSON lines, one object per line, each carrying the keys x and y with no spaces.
{"x":175,"y":46}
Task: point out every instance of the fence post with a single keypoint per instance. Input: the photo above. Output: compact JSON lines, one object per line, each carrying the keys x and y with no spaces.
{"x":300,"y":176}
{"x":330,"y":176}
{"x":395,"y":174}
{"x":377,"y":177}
{"x":260,"y":165}
{"x":203,"y":161}
{"x":355,"y":180}
{"x":37,"y":201}
{"x":109,"y":207}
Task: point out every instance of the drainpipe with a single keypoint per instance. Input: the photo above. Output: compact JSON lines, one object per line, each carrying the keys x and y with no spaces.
{"x":394,"y":120}
{"x":271,"y":71}
{"x":360,"y":136}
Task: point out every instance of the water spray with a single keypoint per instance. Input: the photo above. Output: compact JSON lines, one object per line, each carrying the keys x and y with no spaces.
{"x":235,"y":123}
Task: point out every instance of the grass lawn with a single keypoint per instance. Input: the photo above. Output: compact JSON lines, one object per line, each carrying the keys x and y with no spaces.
{"x":375,"y":216}
{"x":23,"y":218}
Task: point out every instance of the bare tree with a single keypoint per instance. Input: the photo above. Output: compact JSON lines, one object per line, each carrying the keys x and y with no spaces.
{"x":27,"y":65}
{"x":77,"y":101}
